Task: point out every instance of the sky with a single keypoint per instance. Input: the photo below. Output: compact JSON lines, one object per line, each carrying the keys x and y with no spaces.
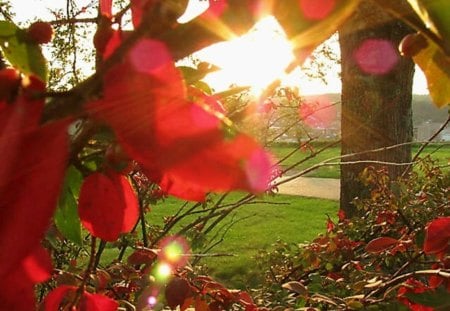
{"x":256,"y":59}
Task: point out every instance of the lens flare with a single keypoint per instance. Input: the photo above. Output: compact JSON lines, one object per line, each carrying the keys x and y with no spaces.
{"x":174,"y":251}
{"x":376,"y":56}
{"x":317,"y":9}
{"x":163,"y":272}
{"x":151,"y":301}
{"x":318,"y":112}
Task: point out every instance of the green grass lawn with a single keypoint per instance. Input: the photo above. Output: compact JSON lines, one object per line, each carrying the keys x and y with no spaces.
{"x":437,"y":151}
{"x":256,"y":227}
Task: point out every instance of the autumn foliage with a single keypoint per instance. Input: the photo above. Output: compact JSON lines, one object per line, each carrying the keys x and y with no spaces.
{"x":141,"y":125}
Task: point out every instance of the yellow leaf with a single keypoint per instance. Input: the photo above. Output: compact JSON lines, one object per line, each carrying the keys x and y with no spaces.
{"x":436,"y":67}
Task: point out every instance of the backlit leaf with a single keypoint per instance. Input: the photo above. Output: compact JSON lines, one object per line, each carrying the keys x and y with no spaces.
{"x":63,"y":295}
{"x":437,"y":236}
{"x":107,"y":205}
{"x":57,"y":296}
{"x":31,"y":174}
{"x":17,"y":286}
{"x":185,"y":143}
{"x":7,"y":29}
{"x":20,"y":52}
{"x":97,"y":302}
{"x":309,"y":22}
{"x":38,"y":265}
{"x":106,"y":7}
{"x":435,"y":14}
{"x":66,"y":216}
{"x":436,"y":67}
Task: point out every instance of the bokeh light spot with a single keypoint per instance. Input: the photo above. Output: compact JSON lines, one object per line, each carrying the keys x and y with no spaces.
{"x":376,"y":56}
{"x":318,"y":112}
{"x":163,"y":271}
{"x":317,"y":9}
{"x":174,"y":251}
{"x":142,"y":62}
{"x":151,"y":301}
{"x":258,"y":169}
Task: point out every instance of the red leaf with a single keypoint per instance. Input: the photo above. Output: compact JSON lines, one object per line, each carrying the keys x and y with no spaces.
{"x":177,"y":291}
{"x":341,"y":215}
{"x":437,"y":236}
{"x":142,"y":257}
{"x":38,"y":265}
{"x":97,"y":302}
{"x":330,"y":225}
{"x":185,"y":145}
{"x":32,"y":164}
{"x":17,"y":287}
{"x":106,"y":7}
{"x":133,"y":94}
{"x":238,"y":163}
{"x":380,"y":244}
{"x":416,"y":287}
{"x":138,"y":8}
{"x":107,"y":205}
{"x":54,"y":299}
{"x":182,"y":189}
{"x":88,"y":302}
{"x":215,"y":10}
{"x":200,"y":304}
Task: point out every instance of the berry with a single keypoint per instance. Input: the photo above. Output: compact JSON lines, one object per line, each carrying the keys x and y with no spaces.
{"x":40,"y":32}
{"x":412,"y":44}
{"x":9,"y":83}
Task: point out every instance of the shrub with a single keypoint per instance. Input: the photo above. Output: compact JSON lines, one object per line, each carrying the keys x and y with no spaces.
{"x":396,"y":255}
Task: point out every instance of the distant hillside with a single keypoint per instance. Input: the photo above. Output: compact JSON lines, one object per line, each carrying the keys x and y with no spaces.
{"x":423,"y":109}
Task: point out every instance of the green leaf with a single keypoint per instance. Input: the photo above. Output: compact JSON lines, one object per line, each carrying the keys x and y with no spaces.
{"x":438,"y":299}
{"x":73,"y":180}
{"x":305,"y":33}
{"x":7,"y":29}
{"x":22,"y":54}
{"x":436,"y":67}
{"x":203,"y":86}
{"x":435,"y":14}
{"x":66,"y":216}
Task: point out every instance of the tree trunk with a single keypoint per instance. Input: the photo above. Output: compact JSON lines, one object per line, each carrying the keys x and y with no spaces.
{"x":376,"y":97}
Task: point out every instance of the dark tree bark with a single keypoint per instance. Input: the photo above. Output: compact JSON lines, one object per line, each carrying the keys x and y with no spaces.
{"x":376,"y":107}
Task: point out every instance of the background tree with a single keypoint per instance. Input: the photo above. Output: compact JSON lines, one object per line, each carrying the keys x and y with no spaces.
{"x":376,"y":96}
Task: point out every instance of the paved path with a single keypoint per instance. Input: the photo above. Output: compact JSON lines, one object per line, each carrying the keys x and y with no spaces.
{"x":325,"y":188}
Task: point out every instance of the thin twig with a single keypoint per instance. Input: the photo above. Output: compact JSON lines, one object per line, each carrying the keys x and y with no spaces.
{"x":423,"y":146}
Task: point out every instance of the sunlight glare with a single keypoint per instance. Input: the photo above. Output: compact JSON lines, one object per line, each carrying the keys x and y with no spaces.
{"x":193,"y":9}
{"x":256,"y":59}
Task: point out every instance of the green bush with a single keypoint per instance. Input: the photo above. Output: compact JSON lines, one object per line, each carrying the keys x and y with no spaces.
{"x":377,"y":261}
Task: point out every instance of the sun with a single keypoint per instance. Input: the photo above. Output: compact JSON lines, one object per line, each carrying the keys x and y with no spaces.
{"x":255,"y":59}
